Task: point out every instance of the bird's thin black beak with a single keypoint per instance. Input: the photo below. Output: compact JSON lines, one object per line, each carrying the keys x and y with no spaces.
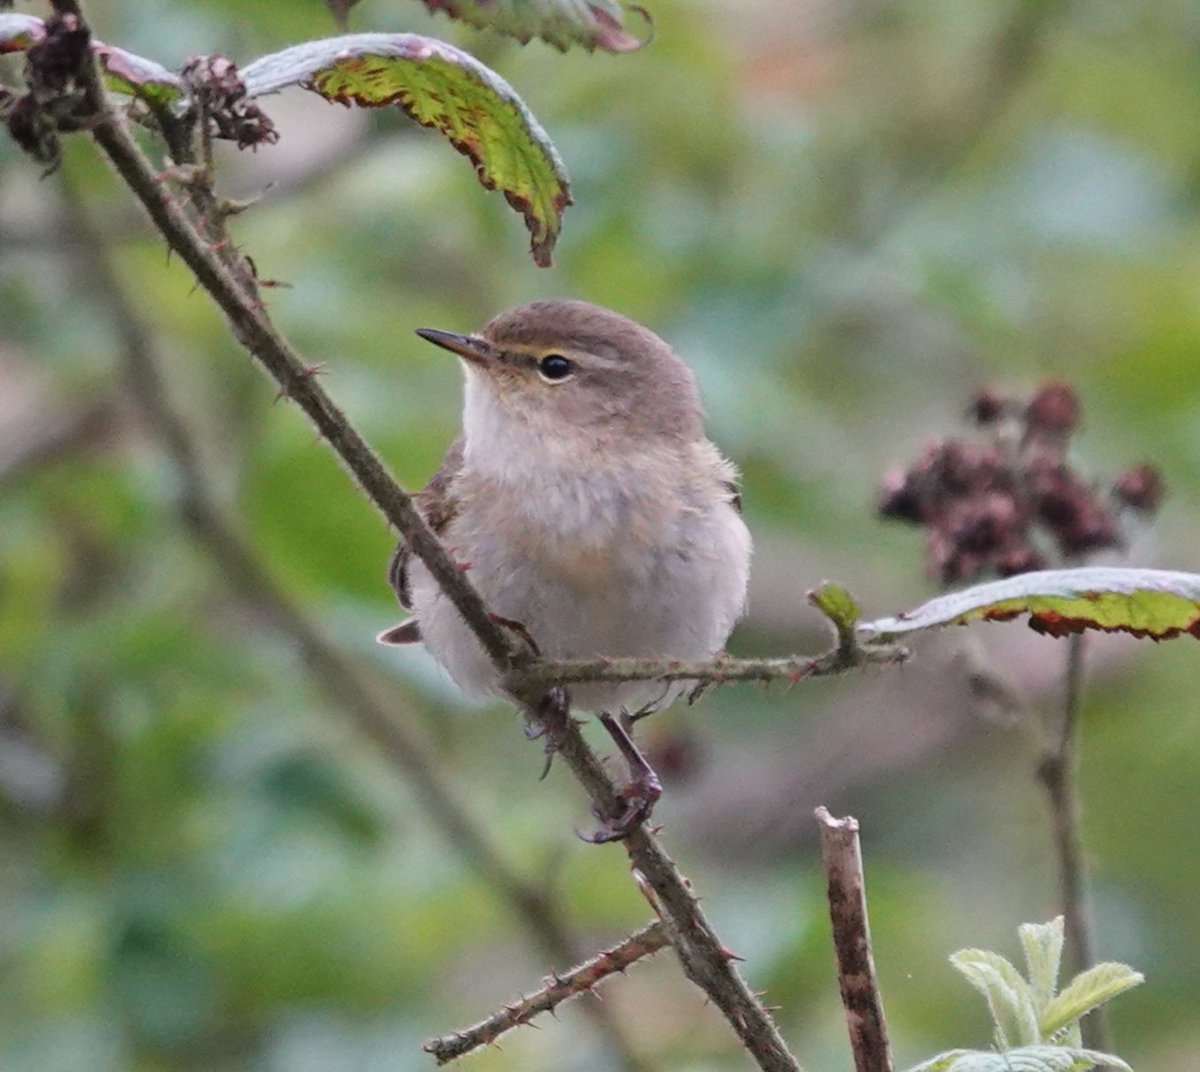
{"x":470,"y":347}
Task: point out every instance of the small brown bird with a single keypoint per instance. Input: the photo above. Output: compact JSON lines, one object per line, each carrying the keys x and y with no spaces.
{"x":588,"y":506}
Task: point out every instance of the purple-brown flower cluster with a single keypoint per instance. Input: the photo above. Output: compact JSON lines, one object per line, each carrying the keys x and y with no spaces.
{"x":1010,"y":501}
{"x":214,"y":82}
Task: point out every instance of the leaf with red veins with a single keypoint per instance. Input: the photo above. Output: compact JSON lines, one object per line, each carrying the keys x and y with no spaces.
{"x":446,"y":89}
{"x":561,"y":23}
{"x":19,"y":32}
{"x":1160,"y":604}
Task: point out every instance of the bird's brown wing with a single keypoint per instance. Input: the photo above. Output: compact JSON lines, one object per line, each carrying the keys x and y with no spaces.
{"x":437,"y":504}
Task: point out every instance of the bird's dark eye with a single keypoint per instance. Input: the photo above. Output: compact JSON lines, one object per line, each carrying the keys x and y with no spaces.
{"x":555,"y":367}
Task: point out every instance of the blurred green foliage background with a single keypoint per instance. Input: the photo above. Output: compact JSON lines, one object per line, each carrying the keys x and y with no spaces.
{"x":847,"y":216}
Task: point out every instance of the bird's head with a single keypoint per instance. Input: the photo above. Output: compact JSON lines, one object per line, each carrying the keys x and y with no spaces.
{"x":561,"y":368}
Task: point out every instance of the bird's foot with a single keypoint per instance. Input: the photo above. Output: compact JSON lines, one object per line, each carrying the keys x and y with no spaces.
{"x":630,"y":718}
{"x":636,"y":800}
{"x":550,"y":721}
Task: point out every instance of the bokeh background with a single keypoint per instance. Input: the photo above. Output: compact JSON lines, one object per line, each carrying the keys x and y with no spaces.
{"x":848,"y":216}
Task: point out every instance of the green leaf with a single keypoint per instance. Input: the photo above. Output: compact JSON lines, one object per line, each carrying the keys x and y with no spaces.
{"x":125,"y":72}
{"x":1087,"y":990}
{"x":441,"y":87}
{"x":1160,"y":604}
{"x":1085,"y":1059}
{"x":1025,"y":1059}
{"x":1008,"y":995}
{"x":18,"y":32}
{"x":942,"y":1062}
{"x":1043,"y":945}
{"x":562,"y":23}
{"x":839,"y":606}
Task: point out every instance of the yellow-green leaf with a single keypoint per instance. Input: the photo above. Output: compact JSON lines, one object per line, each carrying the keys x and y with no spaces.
{"x":448,"y":90}
{"x":125,"y":72}
{"x":1043,"y":945}
{"x":18,"y":32}
{"x":1009,"y":998}
{"x":839,"y":606}
{"x":1090,"y":988}
{"x":1159,"y":604}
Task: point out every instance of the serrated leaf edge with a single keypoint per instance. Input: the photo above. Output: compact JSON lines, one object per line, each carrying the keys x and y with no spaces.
{"x":1090,"y":988}
{"x":984,"y":601}
{"x":1043,"y":946}
{"x":302,"y":64}
{"x":1007,"y":993}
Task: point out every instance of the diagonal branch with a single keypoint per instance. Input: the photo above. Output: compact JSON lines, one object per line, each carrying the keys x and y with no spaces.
{"x":586,"y":977}
{"x":701,"y":953}
{"x":345,"y":686}
{"x":253,"y":329}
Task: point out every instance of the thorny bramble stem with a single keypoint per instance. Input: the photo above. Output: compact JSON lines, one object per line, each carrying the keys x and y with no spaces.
{"x":701,"y":953}
{"x":558,"y":988}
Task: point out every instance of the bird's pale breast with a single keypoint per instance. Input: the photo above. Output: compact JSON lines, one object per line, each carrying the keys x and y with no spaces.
{"x":608,"y":562}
